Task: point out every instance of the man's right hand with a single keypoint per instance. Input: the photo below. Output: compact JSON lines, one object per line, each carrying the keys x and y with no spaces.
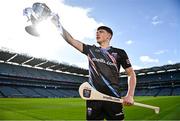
{"x":56,"y":21}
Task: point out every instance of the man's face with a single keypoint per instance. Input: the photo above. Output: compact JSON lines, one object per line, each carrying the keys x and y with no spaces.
{"x":102,"y":36}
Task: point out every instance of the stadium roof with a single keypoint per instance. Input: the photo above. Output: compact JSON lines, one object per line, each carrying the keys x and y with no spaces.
{"x":25,"y":60}
{"x":159,"y":69}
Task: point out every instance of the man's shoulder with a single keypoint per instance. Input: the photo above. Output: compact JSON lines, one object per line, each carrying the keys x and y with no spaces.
{"x":88,"y":45}
{"x":87,"y":48}
{"x":120,"y":50}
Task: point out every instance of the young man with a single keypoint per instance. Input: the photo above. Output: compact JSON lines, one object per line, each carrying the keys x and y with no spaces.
{"x":104,"y":67}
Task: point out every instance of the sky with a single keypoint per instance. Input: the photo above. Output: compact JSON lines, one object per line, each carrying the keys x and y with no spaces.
{"x":148,"y":30}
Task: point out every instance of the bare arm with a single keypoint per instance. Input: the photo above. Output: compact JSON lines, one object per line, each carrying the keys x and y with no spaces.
{"x":131,"y":81}
{"x":128,"y":99}
{"x":66,"y":35}
{"x":75,"y":43}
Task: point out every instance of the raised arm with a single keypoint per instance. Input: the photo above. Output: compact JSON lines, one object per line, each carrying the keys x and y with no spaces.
{"x":66,"y":35}
{"x":75,"y":43}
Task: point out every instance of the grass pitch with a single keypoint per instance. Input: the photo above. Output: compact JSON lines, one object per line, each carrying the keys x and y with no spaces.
{"x":74,"y":109}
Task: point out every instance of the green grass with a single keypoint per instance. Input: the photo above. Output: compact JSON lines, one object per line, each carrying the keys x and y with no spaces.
{"x":74,"y":109}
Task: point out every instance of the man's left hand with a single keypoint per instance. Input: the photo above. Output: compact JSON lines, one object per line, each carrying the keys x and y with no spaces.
{"x":128,"y":100}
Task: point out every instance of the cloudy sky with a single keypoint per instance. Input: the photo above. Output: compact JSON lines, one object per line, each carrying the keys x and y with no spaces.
{"x":149,"y":30}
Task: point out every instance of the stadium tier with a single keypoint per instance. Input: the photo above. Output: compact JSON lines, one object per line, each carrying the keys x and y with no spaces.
{"x":25,"y":76}
{"x":156,"y":81}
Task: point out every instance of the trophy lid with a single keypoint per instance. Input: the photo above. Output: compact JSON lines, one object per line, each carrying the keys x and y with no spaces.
{"x":41,"y":11}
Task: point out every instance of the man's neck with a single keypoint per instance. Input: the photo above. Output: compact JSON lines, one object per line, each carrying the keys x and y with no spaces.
{"x":104,"y":45}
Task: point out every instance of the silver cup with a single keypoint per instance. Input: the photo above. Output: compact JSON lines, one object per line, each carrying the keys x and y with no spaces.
{"x":36,"y":14}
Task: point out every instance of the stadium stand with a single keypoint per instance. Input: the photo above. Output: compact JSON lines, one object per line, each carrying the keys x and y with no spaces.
{"x":156,"y":81}
{"x":25,"y":76}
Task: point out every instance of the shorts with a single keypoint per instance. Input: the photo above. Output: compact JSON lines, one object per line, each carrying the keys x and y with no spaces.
{"x":100,"y":110}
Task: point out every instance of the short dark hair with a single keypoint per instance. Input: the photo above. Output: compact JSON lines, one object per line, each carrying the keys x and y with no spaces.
{"x":109,"y":30}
